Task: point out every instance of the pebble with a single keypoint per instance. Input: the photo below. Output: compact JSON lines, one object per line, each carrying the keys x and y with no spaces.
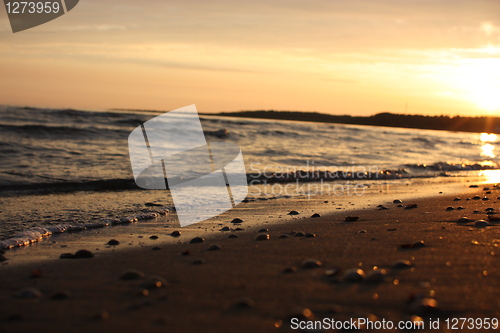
{"x":175,"y":233}
{"x":289,"y":270}
{"x":485,"y":199}
{"x":225,"y":229}
{"x":460,"y":208}
{"x":310,"y":235}
{"x":397,"y":201}
{"x":457,"y":199}
{"x":351,"y":218}
{"x":214,"y":247}
{"x":299,"y":234}
{"x":233,"y":236}
{"x":476,"y":197}
{"x":315,"y":215}
{"x":262,"y":237}
{"x":263,"y":230}
{"x":29,"y":293}
{"x":239,"y":229}
{"x":132,"y":274}
{"x":113,"y":242}
{"x":481,"y":224}
{"x":154,"y":282}
{"x":244,"y":303}
{"x":354,"y":275}
{"x":196,"y":240}
{"x":494,"y":218}
{"x":490,"y":209}
{"x":450,"y":208}
{"x":376,"y":276}
{"x":283,"y":236}
{"x":311,"y":263}
{"x":83,"y":254}
{"x":153,"y":237}
{"x":464,"y":220}
{"x":401,"y":263}
{"x":332,"y":272}
{"x":60,"y":295}
{"x":293,"y":212}
{"x":237,"y":221}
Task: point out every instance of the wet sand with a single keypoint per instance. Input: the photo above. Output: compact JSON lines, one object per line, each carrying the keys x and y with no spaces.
{"x":256,"y":286}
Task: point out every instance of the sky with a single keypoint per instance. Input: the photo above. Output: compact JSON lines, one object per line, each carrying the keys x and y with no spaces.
{"x":357,"y":57}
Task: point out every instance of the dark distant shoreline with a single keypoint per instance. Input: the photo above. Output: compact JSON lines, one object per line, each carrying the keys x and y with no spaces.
{"x":457,"y":123}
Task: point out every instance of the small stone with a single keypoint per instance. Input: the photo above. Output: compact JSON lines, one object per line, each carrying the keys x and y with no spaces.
{"x":153,"y":237}
{"x":376,"y":276}
{"x":311,"y":263}
{"x":132,"y":274}
{"x":198,"y":262}
{"x":332,"y":272}
{"x":232,"y":236}
{"x":289,"y":270}
{"x":457,"y":199}
{"x":450,"y":208}
{"x":225,"y":229}
{"x":243,"y":303}
{"x":154,"y":282}
{"x":490,"y":209}
{"x":283,"y":236}
{"x":239,"y":229}
{"x":310,"y":235}
{"x":354,"y":275}
{"x":476,"y":197}
{"x":152,"y":204}
{"x":175,"y":233}
{"x":315,"y":215}
{"x":262,"y":237}
{"x":196,"y":240}
{"x":485,"y":199}
{"x":237,"y":221}
{"x":473,"y":186}
{"x":401,"y":263}
{"x":464,"y":220}
{"x":460,"y":208}
{"x":263,"y":230}
{"x":411,"y":206}
{"x":60,"y":295}
{"x":397,"y":201}
{"x":83,"y":254}
{"x":113,"y":242}
{"x":351,"y":218}
{"x":29,"y":293}
{"x":481,"y":224}
{"x":493,"y":218}
{"x":293,"y":212}
{"x":214,"y":247}
{"x":299,"y":234}
{"x":361,"y":232}
{"x":382,"y":207}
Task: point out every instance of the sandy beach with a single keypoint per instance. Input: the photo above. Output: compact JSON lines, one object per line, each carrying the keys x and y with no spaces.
{"x":427,"y":263}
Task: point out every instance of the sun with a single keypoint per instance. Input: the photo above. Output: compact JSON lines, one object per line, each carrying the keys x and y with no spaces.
{"x":479,"y":82}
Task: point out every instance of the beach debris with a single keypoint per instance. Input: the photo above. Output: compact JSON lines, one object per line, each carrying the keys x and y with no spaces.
{"x":283,"y":236}
{"x":411,"y":206}
{"x":481,"y":224}
{"x":214,"y":247}
{"x":29,"y":292}
{"x":415,"y":245}
{"x":315,"y":215}
{"x":310,"y":235}
{"x":80,"y":254}
{"x":132,"y":274}
{"x":450,"y":208}
{"x":237,"y":221}
{"x":263,"y":230}
{"x":113,"y":242}
{"x":154,"y":282}
{"x":351,"y":218}
{"x":354,"y":275}
{"x":376,"y":276}
{"x":397,"y":201}
{"x":36,"y":273}
{"x":243,"y":303}
{"x":293,"y":212}
{"x":153,"y":237}
{"x":232,"y":236}
{"x":401,"y":264}
{"x":263,"y":237}
{"x":175,"y":233}
{"x":61,"y":294}
{"x":196,"y":240}
{"x":299,"y":234}
{"x":311,"y":263}
{"x":198,"y":262}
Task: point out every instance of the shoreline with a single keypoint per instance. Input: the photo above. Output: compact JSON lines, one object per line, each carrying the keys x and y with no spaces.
{"x":257,"y":285}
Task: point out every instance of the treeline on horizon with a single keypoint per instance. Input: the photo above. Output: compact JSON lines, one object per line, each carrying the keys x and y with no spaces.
{"x":456,"y":123}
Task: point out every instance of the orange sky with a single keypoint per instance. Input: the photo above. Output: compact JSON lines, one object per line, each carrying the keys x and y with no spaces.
{"x":342,"y":57}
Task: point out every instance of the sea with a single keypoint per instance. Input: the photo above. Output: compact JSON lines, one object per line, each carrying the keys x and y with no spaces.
{"x":48,"y":151}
